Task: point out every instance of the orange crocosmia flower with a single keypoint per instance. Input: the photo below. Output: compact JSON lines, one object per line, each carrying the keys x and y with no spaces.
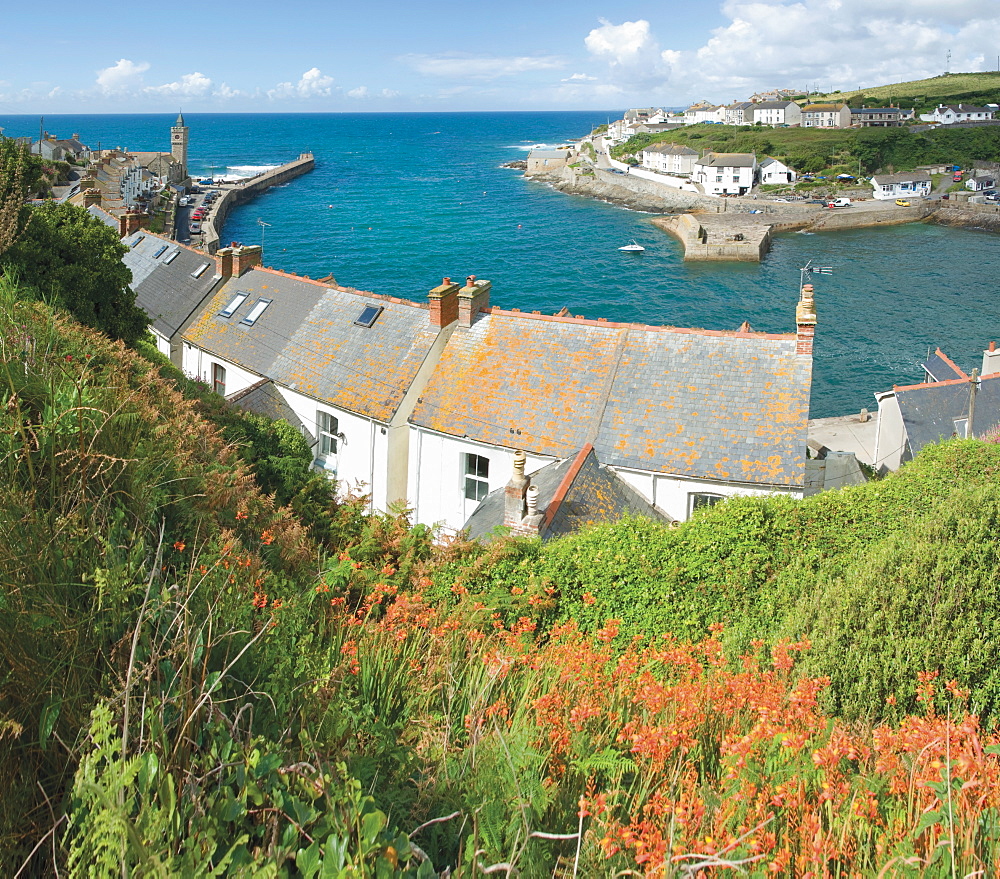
{"x":266,"y":537}
{"x":388,"y":570}
{"x":179,"y":546}
{"x":241,"y":515}
{"x":588,"y":599}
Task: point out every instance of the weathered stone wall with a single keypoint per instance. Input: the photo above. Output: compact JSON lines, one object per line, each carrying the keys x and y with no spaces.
{"x":241,"y":193}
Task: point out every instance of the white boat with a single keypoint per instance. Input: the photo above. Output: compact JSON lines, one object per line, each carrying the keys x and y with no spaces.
{"x":632,"y":248}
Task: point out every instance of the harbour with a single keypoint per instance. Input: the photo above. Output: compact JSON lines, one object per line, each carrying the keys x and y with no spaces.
{"x":440,"y":203}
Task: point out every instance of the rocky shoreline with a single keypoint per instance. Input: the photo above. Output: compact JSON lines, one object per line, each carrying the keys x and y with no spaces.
{"x":729,"y":217}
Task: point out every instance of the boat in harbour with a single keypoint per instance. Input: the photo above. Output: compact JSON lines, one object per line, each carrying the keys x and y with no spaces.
{"x":632,"y":248}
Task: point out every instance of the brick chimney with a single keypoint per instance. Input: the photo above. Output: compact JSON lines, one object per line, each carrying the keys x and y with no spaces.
{"x":224,"y":262}
{"x":444,"y":304}
{"x":514,"y":506}
{"x":473,"y":297}
{"x":245,"y":258}
{"x":805,"y":321}
{"x":91,"y":197}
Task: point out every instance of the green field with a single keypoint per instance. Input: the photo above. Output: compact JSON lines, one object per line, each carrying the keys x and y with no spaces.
{"x":924,"y":94}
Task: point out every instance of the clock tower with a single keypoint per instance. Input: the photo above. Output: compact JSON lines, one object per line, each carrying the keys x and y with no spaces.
{"x":179,"y":143}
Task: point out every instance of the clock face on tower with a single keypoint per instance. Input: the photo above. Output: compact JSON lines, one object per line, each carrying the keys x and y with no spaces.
{"x":177,"y":137}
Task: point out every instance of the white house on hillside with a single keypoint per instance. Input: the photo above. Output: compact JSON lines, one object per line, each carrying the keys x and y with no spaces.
{"x":948,"y":114}
{"x":776,"y":113}
{"x":726,"y":173}
{"x":826,"y":116}
{"x":669,"y":158}
{"x":740,"y":113}
{"x":704,"y":112}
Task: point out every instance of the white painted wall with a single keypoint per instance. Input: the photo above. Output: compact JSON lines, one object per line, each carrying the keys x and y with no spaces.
{"x":436,"y":486}
{"x":162,"y":342}
{"x":672,"y":493}
{"x":198,"y":363}
{"x":889,"y":435}
{"x":361,"y":462}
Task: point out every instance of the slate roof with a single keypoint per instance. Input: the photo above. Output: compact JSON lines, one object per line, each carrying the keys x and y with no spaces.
{"x":307,"y":340}
{"x":548,"y":154}
{"x":727,"y":406}
{"x":903,"y":177}
{"x":823,"y":108}
{"x":572,"y":493}
{"x":675,"y":149}
{"x":102,"y":215}
{"x":940,"y":367}
{"x":728,"y":160}
{"x":930,"y":410}
{"x":164,"y":285}
{"x":263,"y":398}
{"x":774,"y":105}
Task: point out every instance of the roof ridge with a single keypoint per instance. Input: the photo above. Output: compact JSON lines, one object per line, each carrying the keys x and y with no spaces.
{"x":564,"y":486}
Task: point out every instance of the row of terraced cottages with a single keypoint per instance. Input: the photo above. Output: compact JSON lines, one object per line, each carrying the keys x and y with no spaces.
{"x":428,"y":402}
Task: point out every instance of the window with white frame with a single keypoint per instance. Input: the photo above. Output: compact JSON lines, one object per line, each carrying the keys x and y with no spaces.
{"x":477,"y":474}
{"x":328,"y":430}
{"x":219,"y":379}
{"x":699,"y":499}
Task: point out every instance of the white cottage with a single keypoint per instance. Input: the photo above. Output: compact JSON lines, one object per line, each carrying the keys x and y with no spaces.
{"x":908,"y":184}
{"x":349,"y":365}
{"x":669,"y":158}
{"x":684,"y":417}
{"x":949,"y":114}
{"x":773,"y":171}
{"x":726,"y":173}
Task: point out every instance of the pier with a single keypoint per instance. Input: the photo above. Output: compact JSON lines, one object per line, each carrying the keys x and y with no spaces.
{"x":233,"y":194}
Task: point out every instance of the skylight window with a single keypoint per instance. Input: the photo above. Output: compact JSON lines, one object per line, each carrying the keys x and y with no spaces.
{"x":256,"y":312}
{"x":369,"y":316}
{"x":236,"y":302}
{"x":171,"y":258}
{"x":198,"y":272}
{"x":137,"y":240}
{"x":160,"y":251}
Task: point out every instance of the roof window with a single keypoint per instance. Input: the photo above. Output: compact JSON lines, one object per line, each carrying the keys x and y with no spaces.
{"x":137,"y":240}
{"x":171,"y":258}
{"x":368,"y":317}
{"x":160,"y":251}
{"x":256,"y":312}
{"x":235,"y":303}
{"x":198,"y":272}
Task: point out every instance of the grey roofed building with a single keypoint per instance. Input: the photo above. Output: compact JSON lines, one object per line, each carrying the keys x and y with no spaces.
{"x":97,"y":211}
{"x":696,"y":403}
{"x":572,"y":493}
{"x":309,"y":340}
{"x":902,"y":177}
{"x":263,"y":398}
{"x":939,"y":367}
{"x":728,"y":160}
{"x":674,"y":149}
{"x":937,"y":411}
{"x":163,"y":278}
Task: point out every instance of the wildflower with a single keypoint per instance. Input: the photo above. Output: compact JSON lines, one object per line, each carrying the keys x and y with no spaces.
{"x":266,"y":537}
{"x":241,"y":515}
{"x":259,"y":600}
{"x":516,"y":590}
{"x":69,"y":357}
{"x":322,"y":588}
{"x":179,"y":546}
{"x":588,"y":599}
{"x":388,"y":570}
{"x":356,"y":566}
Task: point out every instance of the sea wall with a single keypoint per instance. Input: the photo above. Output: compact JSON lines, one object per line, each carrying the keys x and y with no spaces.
{"x":240,"y":193}
{"x":709,"y":239}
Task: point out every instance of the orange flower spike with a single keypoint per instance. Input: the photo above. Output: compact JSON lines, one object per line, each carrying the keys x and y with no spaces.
{"x":179,"y":546}
{"x":588,"y":599}
{"x":388,"y":570}
{"x":267,"y":537}
{"x":241,"y":515}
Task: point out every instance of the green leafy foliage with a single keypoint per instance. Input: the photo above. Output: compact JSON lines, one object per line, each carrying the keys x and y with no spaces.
{"x":68,"y":258}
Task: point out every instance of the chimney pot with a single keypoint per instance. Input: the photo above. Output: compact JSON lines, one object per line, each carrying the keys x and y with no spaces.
{"x":472,"y":298}
{"x":514,"y":493}
{"x":444,"y":306}
{"x":993,"y":346}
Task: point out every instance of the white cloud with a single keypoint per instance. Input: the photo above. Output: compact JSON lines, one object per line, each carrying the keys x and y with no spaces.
{"x":123,"y":76}
{"x":831,"y":44}
{"x":226,"y":93}
{"x":479,"y":67}
{"x":313,"y":84}
{"x":359,"y":92}
{"x":190,"y":85}
{"x":579,"y":77}
{"x":362,"y":92}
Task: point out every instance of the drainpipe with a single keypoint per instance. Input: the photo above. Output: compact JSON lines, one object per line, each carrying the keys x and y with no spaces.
{"x":371,"y":469}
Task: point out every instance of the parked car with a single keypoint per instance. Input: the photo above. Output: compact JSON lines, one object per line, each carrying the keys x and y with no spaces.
{"x":194,"y":228}
{"x":902,"y":203}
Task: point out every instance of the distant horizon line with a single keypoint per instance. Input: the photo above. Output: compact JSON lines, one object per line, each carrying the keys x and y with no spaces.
{"x":302,"y":112}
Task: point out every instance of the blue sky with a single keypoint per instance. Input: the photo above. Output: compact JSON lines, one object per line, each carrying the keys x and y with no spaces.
{"x":390,"y":55}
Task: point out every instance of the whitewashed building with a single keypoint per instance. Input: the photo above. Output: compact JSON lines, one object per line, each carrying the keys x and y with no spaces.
{"x":726,"y":173}
{"x":773,"y":171}
{"x":776,"y":113}
{"x":669,"y":158}
{"x":684,"y":417}
{"x":907,"y":184}
{"x":826,"y":116}
{"x":949,"y":114}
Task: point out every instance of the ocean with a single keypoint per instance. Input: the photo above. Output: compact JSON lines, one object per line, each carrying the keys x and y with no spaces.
{"x":397,"y":201}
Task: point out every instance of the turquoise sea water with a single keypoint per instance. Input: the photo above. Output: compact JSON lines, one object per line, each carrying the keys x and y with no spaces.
{"x":398,"y":201}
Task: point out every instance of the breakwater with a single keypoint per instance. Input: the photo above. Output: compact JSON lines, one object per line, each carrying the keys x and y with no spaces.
{"x":234,"y":194}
